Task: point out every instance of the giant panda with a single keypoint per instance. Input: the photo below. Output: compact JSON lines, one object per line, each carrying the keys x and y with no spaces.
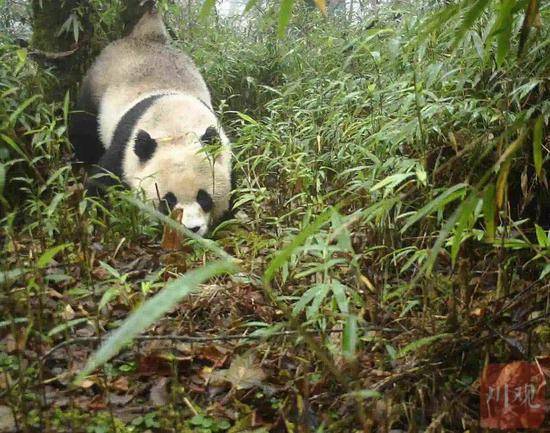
{"x":145,"y":115}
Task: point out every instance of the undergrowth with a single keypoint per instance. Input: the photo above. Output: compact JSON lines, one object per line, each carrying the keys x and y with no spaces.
{"x":391,"y":230}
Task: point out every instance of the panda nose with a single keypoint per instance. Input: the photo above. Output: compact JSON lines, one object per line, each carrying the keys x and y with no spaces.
{"x":195,"y":229}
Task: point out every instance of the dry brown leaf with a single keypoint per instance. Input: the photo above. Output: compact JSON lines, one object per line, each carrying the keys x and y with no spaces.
{"x":159,"y":392}
{"x":171,"y":239}
{"x":87,"y":383}
{"x":121,"y":384}
{"x":242,"y":374}
{"x":68,"y":313}
{"x":7,"y":421}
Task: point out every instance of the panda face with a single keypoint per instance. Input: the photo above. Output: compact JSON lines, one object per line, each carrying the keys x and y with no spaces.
{"x":180,"y":175}
{"x":184,"y":178}
{"x":169,"y":158}
{"x":195,"y":215}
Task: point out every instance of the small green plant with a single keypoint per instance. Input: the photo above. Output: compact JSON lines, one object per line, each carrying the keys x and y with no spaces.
{"x":148,"y":421}
{"x":205,"y":424}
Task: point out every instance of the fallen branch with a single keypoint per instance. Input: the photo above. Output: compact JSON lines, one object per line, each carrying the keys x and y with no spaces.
{"x":51,"y":55}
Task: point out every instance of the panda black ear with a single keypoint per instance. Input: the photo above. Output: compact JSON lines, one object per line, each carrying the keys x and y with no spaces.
{"x":210,"y":136}
{"x":144,"y":146}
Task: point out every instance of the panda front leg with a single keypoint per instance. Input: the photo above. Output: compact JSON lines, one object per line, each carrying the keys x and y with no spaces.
{"x":84,"y":137}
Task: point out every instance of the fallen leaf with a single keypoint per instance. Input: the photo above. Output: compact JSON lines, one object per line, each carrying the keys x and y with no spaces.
{"x":120,"y":400}
{"x":97,"y":403}
{"x":68,"y":313}
{"x":13,"y":344}
{"x":171,"y":239}
{"x":242,"y":373}
{"x":121,"y":384}
{"x":86,"y":383}
{"x":159,"y":392}
{"x":7,"y":421}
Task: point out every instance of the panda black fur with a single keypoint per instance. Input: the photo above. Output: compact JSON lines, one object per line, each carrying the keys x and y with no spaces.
{"x":145,"y":115}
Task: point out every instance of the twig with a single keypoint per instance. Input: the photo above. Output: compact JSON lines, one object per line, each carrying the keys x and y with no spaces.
{"x":180,"y":338}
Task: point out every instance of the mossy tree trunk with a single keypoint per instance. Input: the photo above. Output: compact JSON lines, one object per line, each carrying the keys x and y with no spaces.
{"x":66,"y":49}
{"x":63,"y":34}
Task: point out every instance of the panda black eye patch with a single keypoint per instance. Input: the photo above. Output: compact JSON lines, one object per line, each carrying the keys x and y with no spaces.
{"x":205,"y":200}
{"x":167,"y":203}
{"x":144,"y":146}
{"x":210,"y":135}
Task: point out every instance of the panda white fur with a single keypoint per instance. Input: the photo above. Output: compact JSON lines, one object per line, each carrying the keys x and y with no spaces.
{"x":146,"y":116}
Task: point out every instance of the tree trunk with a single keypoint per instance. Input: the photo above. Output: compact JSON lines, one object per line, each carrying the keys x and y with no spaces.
{"x":63,"y":36}
{"x":66,"y":49}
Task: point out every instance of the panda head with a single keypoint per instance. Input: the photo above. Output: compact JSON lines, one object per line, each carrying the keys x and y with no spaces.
{"x":170,"y":158}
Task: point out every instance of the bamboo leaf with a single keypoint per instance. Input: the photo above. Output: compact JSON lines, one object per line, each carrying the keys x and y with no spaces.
{"x":542,"y":238}
{"x":152,"y":310}
{"x":339,"y":291}
{"x":465,"y":212}
{"x":179,"y":228}
{"x":421,"y":343}
{"x":66,"y":103}
{"x":502,"y":182}
{"x":440,"y":202}
{"x":438,"y":21}
{"x":284,"y":16}
{"x":350,"y":337}
{"x":46,"y":258}
{"x":318,"y":299}
{"x":489,"y":211}
{"x":363,"y":394}
{"x":438,"y":245}
{"x":537,"y":146}
{"x":2,"y":178}
{"x":308,"y":296}
{"x":282,"y":257}
{"x":469,"y":19}
{"x":7,"y":277}
{"x":206,"y":9}
{"x":14,"y":146}
{"x":21,"y":108}
{"x":63,"y":326}
{"x":503,"y":29}
{"x":391,"y":181}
